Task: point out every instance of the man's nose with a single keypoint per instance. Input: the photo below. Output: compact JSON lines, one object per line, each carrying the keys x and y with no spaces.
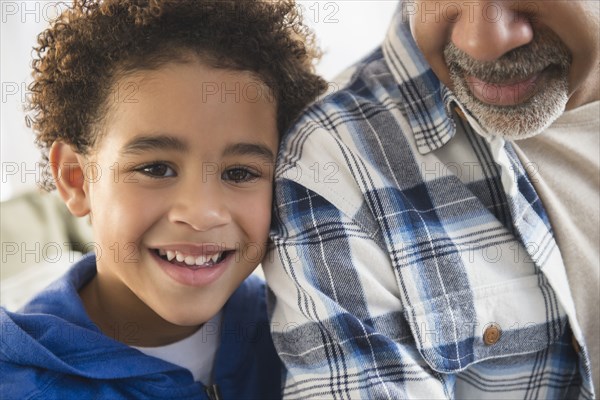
{"x":490,"y":29}
{"x":200,"y":205}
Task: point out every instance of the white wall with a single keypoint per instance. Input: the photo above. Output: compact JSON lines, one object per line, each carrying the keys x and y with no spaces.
{"x":20,"y":21}
{"x":347,"y":30}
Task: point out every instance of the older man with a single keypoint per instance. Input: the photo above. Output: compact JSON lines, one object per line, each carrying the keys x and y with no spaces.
{"x":437,"y":219}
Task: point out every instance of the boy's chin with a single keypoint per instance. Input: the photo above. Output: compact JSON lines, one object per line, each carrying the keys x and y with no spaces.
{"x":191,"y":319}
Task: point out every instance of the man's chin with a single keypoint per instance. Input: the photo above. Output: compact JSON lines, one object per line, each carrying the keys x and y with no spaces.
{"x":520,"y":121}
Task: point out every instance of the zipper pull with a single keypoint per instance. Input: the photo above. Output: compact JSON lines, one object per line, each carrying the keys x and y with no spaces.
{"x":213,"y":392}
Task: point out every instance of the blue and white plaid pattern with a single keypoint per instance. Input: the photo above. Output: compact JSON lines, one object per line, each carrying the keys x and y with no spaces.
{"x":397,"y":247}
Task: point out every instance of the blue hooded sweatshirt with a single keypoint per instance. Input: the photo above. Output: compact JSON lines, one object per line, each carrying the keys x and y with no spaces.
{"x":52,"y":350}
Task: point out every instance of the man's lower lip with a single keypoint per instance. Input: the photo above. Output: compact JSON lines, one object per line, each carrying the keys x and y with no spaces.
{"x":503,"y":94}
{"x":192,"y":277}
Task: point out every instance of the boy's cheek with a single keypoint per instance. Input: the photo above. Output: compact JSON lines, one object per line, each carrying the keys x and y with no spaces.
{"x":258,"y":214}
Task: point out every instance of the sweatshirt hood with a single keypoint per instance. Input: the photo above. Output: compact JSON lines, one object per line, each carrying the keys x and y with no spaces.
{"x":54,"y":333}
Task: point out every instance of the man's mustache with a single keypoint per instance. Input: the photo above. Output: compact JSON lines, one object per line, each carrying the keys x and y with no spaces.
{"x":544,"y":51}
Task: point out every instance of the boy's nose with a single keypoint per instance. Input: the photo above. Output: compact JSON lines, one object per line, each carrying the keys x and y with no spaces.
{"x":200,"y":206}
{"x":489,"y":29}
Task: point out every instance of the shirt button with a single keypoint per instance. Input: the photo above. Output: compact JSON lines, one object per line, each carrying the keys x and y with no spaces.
{"x":491,"y":334}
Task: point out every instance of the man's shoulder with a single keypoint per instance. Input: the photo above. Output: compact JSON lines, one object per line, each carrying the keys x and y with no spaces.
{"x":345,"y":143}
{"x":340,"y":133}
{"x":367,"y":83}
{"x":363,"y":93}
{"x":384,"y":86}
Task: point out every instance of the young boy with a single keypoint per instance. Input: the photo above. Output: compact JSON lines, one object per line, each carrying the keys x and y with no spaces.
{"x":160,"y":120}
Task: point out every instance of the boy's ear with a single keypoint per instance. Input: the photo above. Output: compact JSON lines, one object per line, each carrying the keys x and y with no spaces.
{"x":67,"y":171}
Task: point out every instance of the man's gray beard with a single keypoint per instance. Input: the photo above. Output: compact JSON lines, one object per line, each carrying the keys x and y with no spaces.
{"x":522,"y":120}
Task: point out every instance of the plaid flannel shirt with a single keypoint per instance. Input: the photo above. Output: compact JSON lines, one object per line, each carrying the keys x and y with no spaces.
{"x":406,"y":264}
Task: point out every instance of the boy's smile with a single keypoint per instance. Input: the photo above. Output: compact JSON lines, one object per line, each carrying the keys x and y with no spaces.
{"x":179,"y":190}
{"x":194,"y":265}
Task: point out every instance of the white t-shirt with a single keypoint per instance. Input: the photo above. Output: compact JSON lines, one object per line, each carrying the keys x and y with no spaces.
{"x":195,"y":353}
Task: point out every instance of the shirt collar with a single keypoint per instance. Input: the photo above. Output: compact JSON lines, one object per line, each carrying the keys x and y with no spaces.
{"x":426,"y":102}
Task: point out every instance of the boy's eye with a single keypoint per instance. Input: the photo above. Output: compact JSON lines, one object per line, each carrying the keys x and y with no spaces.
{"x":158,"y":170}
{"x":239,"y":175}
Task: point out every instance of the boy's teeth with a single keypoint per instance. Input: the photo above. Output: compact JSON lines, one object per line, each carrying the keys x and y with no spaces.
{"x":201,"y":260}
{"x":189,"y":260}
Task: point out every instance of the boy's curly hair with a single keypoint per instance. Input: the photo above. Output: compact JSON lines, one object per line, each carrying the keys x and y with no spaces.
{"x":94,"y":43}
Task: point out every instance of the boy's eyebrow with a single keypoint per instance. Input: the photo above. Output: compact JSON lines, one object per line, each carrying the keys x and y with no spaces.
{"x":250,"y":149}
{"x":145,"y":143}
{"x":165,"y":142}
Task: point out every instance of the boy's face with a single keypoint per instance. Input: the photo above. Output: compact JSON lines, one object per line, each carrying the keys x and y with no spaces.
{"x":184,"y":168}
